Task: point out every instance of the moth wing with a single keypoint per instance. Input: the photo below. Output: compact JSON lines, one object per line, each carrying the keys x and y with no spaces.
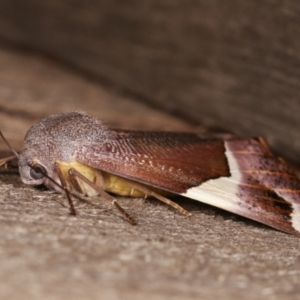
{"x":260,"y":187}
{"x":170,"y":161}
{"x":239,"y":175}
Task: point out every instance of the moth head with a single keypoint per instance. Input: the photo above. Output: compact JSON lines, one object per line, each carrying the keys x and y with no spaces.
{"x":36,"y":169}
{"x":32,"y":170}
{"x":56,"y":138}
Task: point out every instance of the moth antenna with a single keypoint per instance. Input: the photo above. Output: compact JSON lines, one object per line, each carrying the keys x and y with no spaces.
{"x":8,"y":145}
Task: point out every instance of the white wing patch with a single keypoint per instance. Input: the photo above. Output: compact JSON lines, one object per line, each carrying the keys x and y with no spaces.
{"x":221,"y":192}
{"x":296,"y":216}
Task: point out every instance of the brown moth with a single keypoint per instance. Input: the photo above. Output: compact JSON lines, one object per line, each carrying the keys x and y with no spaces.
{"x":75,"y":153}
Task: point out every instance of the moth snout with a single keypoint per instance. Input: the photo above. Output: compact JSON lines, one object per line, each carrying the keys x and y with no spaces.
{"x":32,"y":172}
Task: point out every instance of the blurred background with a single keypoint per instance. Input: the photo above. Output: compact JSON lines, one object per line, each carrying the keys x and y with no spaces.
{"x":150,"y":64}
{"x":232,"y":66}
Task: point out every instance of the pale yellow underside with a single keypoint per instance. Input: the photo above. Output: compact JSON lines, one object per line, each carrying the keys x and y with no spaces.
{"x":108,"y":182}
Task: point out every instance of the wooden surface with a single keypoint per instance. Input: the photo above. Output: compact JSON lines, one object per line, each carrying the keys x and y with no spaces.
{"x":33,"y":88}
{"x":47,"y":254}
{"x":232,"y":65}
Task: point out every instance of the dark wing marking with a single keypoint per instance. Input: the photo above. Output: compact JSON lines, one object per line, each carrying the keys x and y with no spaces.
{"x":269,"y":189}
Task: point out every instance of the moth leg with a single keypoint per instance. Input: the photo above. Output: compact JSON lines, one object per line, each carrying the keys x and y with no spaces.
{"x":132,"y":191}
{"x":74,"y":174}
{"x":65,"y":188}
{"x":148,"y":192}
{"x":4,"y":160}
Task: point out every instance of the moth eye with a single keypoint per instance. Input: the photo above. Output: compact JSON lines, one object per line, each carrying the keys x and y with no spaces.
{"x":37,"y":171}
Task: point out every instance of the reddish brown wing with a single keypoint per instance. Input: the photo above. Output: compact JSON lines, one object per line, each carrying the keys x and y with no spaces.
{"x":171,"y":161}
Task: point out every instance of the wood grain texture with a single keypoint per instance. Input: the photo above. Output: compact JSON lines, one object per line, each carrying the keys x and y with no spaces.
{"x":47,"y":254}
{"x":32,"y":88}
{"x":230,"y":65}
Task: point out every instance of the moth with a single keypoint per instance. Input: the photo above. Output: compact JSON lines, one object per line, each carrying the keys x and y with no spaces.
{"x":75,"y":153}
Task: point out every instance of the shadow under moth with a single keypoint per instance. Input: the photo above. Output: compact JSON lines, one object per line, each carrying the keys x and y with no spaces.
{"x":74,"y":153}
